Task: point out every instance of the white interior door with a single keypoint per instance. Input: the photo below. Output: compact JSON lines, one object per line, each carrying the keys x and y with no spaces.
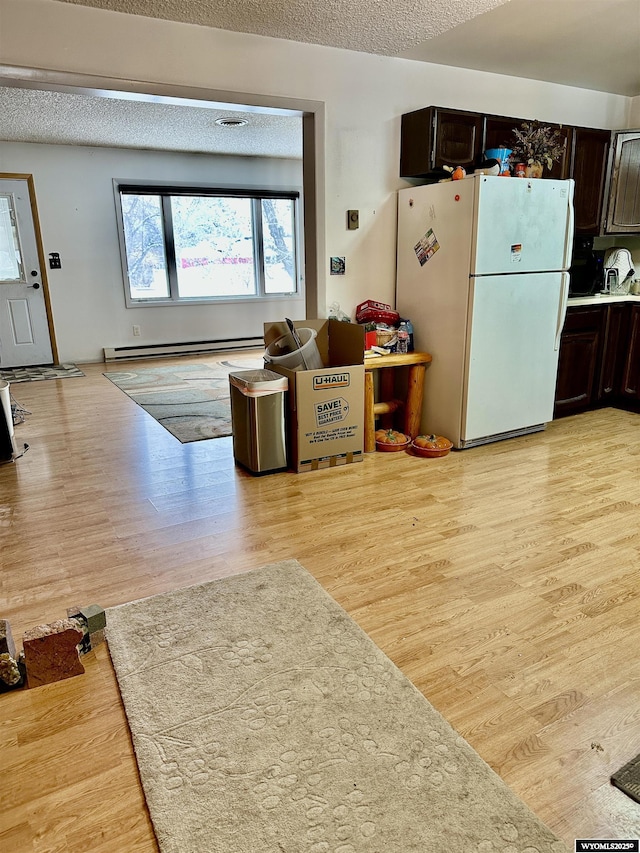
{"x":24,"y":327}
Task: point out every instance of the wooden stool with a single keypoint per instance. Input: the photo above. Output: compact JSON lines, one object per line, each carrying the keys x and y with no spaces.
{"x":388,"y":403}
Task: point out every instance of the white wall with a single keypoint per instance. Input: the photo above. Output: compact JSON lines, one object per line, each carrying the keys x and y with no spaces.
{"x":76,"y":208}
{"x":364,"y":98}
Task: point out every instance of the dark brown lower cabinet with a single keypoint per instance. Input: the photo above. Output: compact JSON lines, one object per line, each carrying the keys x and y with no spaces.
{"x":580,"y":348}
{"x":615,"y":319}
{"x":599,"y":360}
{"x":630,"y":385}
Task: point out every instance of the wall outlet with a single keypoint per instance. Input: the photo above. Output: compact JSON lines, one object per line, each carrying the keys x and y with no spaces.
{"x":136,"y":331}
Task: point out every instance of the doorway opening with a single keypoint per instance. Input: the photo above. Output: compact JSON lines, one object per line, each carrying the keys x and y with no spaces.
{"x":193,"y":102}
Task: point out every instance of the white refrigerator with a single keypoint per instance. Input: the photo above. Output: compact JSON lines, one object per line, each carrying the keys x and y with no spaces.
{"x":482,"y":275}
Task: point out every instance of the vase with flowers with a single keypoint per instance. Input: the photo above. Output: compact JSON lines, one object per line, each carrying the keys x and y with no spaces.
{"x":536,"y":146}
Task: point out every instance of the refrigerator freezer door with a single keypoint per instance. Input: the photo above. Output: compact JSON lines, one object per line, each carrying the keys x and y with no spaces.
{"x":512,"y":357}
{"x":522,"y":225}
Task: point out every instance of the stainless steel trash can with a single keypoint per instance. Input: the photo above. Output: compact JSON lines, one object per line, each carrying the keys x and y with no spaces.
{"x":258,"y":419}
{"x":7,"y":441}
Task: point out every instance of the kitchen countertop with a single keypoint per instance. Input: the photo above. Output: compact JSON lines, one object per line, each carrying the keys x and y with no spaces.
{"x":601,"y":299}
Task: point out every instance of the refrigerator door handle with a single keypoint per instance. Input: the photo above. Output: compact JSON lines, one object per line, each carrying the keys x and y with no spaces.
{"x":562,"y":308}
{"x":568,"y":243}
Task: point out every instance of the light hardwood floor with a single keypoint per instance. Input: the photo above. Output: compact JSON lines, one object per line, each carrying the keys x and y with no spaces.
{"x":503,"y":580}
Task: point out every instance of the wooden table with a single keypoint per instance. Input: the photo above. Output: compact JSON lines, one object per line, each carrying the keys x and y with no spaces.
{"x":417,"y":363}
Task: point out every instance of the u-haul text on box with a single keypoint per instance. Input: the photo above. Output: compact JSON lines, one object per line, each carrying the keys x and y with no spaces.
{"x":331,"y":380}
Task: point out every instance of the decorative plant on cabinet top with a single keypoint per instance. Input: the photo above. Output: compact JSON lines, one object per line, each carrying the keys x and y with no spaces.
{"x":537,"y":146}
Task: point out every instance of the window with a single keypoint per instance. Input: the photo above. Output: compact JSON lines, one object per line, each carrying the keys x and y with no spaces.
{"x":11,"y":269}
{"x":184,"y":245}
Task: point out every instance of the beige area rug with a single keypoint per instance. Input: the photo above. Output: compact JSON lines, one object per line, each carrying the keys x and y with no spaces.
{"x":265,"y":721}
{"x":191,"y":401}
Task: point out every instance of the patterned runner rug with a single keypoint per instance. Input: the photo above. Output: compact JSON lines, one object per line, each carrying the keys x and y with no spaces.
{"x":33,"y":374}
{"x":191,"y":401}
{"x":265,"y":720}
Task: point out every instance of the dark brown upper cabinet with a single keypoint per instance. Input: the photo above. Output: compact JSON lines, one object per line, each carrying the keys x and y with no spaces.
{"x":434,"y":137}
{"x":562,"y":168}
{"x":589,"y":170}
{"x":499,"y":133}
{"x":623,"y":210}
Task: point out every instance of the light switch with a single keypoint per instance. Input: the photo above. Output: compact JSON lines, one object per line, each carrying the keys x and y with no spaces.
{"x":353,"y":219}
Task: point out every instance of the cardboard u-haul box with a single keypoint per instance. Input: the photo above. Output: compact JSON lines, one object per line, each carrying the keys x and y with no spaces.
{"x":325,"y":407}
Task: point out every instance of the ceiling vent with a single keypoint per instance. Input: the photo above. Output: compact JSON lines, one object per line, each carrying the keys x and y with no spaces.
{"x":231,"y":122}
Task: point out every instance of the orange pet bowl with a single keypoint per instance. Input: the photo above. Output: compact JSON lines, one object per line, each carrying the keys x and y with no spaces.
{"x":431,"y":446}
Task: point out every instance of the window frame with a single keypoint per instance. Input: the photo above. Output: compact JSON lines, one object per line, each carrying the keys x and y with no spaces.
{"x":166,"y":189}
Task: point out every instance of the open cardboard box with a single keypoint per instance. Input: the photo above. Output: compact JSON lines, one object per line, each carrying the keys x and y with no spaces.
{"x":326,"y":407}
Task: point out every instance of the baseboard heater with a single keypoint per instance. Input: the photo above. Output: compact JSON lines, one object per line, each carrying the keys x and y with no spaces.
{"x":186,"y":348}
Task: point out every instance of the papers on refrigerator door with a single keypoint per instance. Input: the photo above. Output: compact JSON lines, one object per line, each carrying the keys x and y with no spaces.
{"x":426,"y":247}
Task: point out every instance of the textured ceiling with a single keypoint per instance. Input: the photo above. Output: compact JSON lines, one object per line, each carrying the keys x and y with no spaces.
{"x":371,"y":26}
{"x":30,"y":115}
{"x":591,"y":44}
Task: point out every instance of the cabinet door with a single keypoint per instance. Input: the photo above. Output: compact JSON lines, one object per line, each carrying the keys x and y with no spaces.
{"x":589,"y":169}
{"x":562,"y":168}
{"x":434,"y":137}
{"x":630,"y":386}
{"x":580,"y":347}
{"x":623,"y":212}
{"x":499,"y":132}
{"x":416,"y":143}
{"x":458,"y":139}
{"x":614,"y":349}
